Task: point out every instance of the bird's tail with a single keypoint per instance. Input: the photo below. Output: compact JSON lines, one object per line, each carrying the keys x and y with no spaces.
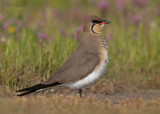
{"x":36,"y":88}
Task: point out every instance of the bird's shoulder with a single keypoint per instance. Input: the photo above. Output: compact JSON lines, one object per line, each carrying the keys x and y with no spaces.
{"x":80,"y":57}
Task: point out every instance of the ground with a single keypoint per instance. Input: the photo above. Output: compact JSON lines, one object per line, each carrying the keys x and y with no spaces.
{"x":63,"y":100}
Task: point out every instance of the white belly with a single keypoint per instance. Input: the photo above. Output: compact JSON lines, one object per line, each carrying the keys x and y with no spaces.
{"x":91,"y":78}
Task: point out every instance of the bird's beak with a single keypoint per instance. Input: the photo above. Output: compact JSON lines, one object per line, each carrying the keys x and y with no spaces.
{"x":105,"y":22}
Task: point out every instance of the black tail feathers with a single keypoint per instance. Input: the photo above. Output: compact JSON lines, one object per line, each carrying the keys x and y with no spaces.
{"x":36,"y":88}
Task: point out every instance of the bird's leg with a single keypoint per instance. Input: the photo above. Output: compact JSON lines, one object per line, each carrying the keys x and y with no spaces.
{"x":80,"y":92}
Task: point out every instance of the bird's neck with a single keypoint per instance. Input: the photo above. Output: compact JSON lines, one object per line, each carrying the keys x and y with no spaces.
{"x":93,"y":42}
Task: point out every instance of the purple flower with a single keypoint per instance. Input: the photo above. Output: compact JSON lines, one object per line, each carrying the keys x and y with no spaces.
{"x":120,"y":4}
{"x":40,"y":24}
{"x":43,"y":35}
{"x":79,"y":31}
{"x":103,"y":5}
{"x":109,"y":37}
{"x":158,"y":11}
{"x":137,"y":19}
{"x":63,"y":33}
{"x":140,"y":3}
{"x":55,"y":12}
{"x":5,"y":26}
{"x":2,"y":17}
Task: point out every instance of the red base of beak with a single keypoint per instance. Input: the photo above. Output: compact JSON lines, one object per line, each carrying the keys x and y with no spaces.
{"x":105,"y":22}
{"x":102,"y":23}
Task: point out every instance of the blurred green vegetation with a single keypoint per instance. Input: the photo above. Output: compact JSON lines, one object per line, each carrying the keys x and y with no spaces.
{"x":37,"y":37}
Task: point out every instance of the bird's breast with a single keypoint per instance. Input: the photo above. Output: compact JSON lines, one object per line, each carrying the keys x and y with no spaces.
{"x":98,"y":72}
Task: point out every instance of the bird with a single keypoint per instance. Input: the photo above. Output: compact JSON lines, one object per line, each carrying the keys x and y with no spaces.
{"x":85,"y":66}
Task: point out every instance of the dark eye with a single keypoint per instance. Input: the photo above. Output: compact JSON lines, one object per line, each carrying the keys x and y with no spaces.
{"x":95,"y":21}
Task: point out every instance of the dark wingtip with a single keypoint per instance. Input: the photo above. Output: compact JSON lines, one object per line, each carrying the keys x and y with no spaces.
{"x":35,"y":88}
{"x":18,"y":91}
{"x":23,"y":94}
{"x":21,"y":90}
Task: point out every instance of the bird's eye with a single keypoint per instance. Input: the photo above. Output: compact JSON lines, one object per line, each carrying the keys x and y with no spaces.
{"x":95,"y":21}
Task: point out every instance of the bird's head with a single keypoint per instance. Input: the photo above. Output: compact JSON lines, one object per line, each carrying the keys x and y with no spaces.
{"x":94,"y":24}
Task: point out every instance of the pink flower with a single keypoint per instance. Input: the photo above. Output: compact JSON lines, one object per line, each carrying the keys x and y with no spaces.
{"x":63,"y":33}
{"x":137,"y":19}
{"x":5,"y":26}
{"x":158,"y":11}
{"x":2,"y":17}
{"x":103,"y":5}
{"x":109,"y":37}
{"x":140,"y":3}
{"x":120,"y":4}
{"x":79,"y":31}
{"x":43,"y":35}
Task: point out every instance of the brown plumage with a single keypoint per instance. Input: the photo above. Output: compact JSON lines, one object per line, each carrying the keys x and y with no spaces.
{"x":91,"y":55}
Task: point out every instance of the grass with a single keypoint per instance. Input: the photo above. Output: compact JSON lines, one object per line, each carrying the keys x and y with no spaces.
{"x":27,"y":59}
